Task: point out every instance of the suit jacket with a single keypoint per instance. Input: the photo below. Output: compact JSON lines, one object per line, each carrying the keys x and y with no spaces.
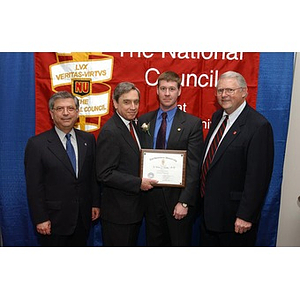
{"x":240,"y":173}
{"x":54,"y":193}
{"x":118,"y":163}
{"x":186,"y":134}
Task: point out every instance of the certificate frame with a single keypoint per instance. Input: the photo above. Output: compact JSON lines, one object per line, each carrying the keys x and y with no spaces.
{"x":166,"y":166}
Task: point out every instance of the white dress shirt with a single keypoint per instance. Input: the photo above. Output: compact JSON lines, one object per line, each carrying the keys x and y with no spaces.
{"x":231,"y":119}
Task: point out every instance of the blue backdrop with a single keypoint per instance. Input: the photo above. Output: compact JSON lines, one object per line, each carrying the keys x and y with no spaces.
{"x":17,"y":110}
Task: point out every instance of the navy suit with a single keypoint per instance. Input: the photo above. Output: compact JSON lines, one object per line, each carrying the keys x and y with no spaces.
{"x":239,"y":176}
{"x":54,"y":193}
{"x":186,"y":134}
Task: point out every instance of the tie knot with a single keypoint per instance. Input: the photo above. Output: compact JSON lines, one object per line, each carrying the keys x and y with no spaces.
{"x":68,"y":136}
{"x":164,"y":115}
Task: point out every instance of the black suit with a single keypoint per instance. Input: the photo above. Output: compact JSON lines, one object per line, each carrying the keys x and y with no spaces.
{"x":54,"y":192}
{"x":118,"y":162}
{"x":239,"y":176}
{"x":186,"y":134}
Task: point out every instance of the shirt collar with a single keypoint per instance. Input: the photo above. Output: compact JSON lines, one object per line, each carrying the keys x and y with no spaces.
{"x":170,"y":113}
{"x":126,"y":122}
{"x":233,"y":116}
{"x":62,"y":135}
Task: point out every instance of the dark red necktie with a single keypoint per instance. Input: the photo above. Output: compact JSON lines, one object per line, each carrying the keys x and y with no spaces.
{"x":211,"y":153}
{"x":132,"y":131}
{"x":161,"y":135}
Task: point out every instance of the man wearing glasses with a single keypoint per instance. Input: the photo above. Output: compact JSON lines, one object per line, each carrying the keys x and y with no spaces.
{"x":62,"y":190}
{"x":236,"y":168}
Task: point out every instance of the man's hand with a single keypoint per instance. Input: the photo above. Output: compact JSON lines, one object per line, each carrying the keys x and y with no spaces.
{"x":44,"y":228}
{"x":147,"y":184}
{"x":242,"y":226}
{"x":179,"y":211}
{"x":95,"y":213}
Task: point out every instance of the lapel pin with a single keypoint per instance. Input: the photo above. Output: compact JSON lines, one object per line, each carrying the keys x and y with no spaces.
{"x":234,"y":133}
{"x":178,"y":129}
{"x":85,"y":144}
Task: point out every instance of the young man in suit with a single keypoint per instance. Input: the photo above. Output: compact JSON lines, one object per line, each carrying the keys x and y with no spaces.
{"x":63,"y":193}
{"x":235,"y":179}
{"x":118,"y":165}
{"x":170,"y":211}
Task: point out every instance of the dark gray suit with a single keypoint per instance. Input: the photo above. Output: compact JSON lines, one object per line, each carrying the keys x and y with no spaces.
{"x":186,"y":134}
{"x":239,"y":176}
{"x":54,"y":193}
{"x":118,"y":163}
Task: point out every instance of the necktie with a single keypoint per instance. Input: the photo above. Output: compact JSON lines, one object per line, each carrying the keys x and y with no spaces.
{"x":132,"y":132}
{"x":70,"y":151}
{"x":161,"y":135}
{"x":211,"y":153}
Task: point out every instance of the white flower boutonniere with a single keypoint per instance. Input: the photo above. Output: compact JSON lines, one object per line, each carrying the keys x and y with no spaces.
{"x":146,"y":127}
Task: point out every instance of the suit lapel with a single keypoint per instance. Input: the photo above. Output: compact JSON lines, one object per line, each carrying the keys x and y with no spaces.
{"x":145,"y":137}
{"x":215,"y":121}
{"x":56,"y":147}
{"x":176,"y":129}
{"x":231,"y":135}
{"x":125,"y":133}
{"x":82,"y":145}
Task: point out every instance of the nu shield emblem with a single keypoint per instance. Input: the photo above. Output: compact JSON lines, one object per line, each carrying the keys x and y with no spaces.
{"x":81,"y":87}
{"x":85,"y":74}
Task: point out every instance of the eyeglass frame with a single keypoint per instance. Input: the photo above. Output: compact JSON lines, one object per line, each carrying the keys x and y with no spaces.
{"x":228,"y":91}
{"x":60,"y":109}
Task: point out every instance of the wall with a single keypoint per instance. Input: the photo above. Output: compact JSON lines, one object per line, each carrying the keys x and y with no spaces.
{"x":289,"y":218}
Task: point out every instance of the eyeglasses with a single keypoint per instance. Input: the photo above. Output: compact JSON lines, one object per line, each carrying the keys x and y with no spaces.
{"x":227,"y":91}
{"x":61,"y":109}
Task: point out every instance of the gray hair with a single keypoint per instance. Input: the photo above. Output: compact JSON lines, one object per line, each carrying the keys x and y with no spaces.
{"x":231,"y":74}
{"x":123,"y":88}
{"x":62,"y":95}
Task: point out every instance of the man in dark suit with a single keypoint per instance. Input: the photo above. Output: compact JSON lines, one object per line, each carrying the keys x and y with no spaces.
{"x":63,"y":193}
{"x":118,"y":164}
{"x":170,"y":211}
{"x":235,"y":182}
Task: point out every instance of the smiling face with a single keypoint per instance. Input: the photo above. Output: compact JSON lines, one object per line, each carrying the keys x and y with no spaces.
{"x":64,"y":114}
{"x":168,"y":93}
{"x":230,"y":95}
{"x":128,"y":105}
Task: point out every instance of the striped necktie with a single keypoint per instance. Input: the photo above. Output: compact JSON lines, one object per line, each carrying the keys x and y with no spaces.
{"x":211,"y":153}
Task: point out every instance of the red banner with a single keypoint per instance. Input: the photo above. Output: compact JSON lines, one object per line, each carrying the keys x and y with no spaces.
{"x":92,"y":76}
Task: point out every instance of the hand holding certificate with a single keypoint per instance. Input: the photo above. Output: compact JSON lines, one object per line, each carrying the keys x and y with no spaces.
{"x":168,"y":167}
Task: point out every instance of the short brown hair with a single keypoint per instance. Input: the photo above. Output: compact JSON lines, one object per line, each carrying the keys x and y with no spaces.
{"x":170,"y":76}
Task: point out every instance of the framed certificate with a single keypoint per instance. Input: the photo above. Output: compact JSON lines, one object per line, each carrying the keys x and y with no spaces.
{"x":168,"y":167}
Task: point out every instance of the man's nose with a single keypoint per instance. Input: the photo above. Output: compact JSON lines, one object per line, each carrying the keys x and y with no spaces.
{"x":65,"y":111}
